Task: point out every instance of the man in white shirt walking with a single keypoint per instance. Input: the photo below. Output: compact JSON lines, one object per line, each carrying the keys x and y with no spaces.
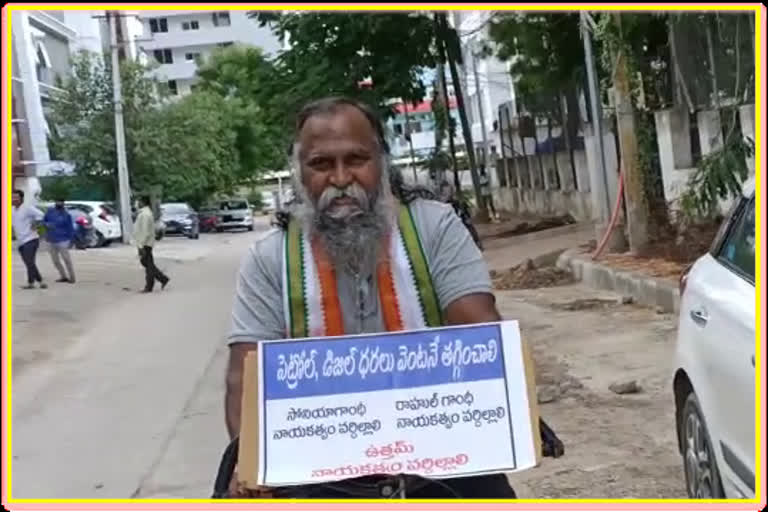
{"x":144,"y":235}
{"x":25,"y":219}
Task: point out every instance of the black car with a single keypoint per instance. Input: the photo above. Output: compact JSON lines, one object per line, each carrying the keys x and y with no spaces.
{"x":181,"y":219}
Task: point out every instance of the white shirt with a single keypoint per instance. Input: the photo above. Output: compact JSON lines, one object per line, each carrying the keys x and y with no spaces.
{"x":144,"y":228}
{"x":24,"y":219}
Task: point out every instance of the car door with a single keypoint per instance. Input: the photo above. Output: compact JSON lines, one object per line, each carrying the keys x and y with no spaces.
{"x":721,"y":309}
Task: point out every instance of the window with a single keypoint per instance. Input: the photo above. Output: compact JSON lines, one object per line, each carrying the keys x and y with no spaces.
{"x":164,"y":56}
{"x":221,"y":19}
{"x":738,"y":251}
{"x":173,"y":88}
{"x":190,"y":25}
{"x":191,"y":57}
{"x":224,"y":45}
{"x":158,"y":25}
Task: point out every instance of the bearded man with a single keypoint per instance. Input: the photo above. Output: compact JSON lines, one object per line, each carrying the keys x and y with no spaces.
{"x":356,"y":255}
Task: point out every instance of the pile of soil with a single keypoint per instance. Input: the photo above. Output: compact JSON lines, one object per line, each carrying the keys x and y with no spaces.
{"x":534,"y":226}
{"x":528,"y":276}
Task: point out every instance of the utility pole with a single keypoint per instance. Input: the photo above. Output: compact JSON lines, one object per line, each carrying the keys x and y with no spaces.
{"x":124,"y":186}
{"x":634,"y":188}
{"x":482,"y":208}
{"x":486,"y":144}
{"x":616,"y":242}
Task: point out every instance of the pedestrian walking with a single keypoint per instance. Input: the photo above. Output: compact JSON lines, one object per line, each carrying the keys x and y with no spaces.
{"x":144,"y":235}
{"x":25,"y":219}
{"x":60,"y":232}
{"x":485,"y":191}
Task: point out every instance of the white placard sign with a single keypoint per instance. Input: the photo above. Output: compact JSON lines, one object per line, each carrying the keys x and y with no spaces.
{"x":440,"y":402}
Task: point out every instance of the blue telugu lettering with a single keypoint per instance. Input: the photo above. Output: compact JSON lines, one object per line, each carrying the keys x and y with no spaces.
{"x":380,"y":362}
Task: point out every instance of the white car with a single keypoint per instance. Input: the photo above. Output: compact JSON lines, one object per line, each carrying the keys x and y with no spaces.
{"x":714,"y":382}
{"x":234,"y":213}
{"x":106,"y":223}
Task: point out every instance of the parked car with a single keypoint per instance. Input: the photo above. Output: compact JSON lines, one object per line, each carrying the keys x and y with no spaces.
{"x":180,"y":218}
{"x":714,"y":381}
{"x":234,"y":213}
{"x":105,"y":221}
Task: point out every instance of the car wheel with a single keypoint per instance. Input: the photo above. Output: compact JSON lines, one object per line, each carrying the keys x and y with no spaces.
{"x":107,"y":243}
{"x":250,"y":228}
{"x":100,"y":241}
{"x":219,"y":230}
{"x":702,"y":477}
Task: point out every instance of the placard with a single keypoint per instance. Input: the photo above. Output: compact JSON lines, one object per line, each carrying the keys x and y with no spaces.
{"x":445,"y":402}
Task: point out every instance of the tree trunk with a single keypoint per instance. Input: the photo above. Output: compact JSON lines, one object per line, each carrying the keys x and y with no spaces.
{"x":634,"y":191}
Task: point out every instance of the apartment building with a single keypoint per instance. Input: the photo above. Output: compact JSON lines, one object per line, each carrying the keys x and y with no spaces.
{"x":176,"y":40}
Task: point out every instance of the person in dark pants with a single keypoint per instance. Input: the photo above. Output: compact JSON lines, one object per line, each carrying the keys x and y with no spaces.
{"x":144,"y":235}
{"x":25,"y":219}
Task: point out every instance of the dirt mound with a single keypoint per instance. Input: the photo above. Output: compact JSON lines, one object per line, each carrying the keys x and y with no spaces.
{"x":528,"y":276}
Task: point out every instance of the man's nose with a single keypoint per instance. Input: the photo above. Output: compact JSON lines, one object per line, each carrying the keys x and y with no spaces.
{"x":341,"y":177}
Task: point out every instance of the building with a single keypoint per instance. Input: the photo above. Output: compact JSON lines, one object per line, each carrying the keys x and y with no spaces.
{"x":177,"y":39}
{"x":486,"y":81}
{"x":418,"y":123}
{"x":41,"y":46}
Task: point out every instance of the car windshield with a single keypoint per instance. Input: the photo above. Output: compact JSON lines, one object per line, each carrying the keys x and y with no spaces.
{"x":174,"y":209}
{"x":233,"y":205}
{"x":81,"y":207}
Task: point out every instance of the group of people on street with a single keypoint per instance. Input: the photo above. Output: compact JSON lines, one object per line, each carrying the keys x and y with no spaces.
{"x":59,"y":230}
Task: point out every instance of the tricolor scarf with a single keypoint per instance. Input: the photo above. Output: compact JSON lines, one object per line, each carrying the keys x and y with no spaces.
{"x":310,"y":296}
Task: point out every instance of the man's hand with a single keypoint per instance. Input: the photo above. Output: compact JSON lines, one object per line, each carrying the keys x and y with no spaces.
{"x":233,"y":405}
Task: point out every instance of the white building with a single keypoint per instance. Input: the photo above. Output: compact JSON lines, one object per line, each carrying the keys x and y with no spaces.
{"x":42,"y":44}
{"x":496,"y":86}
{"x":176,"y":39}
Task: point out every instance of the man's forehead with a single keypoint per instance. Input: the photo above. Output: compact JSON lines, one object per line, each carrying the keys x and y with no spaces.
{"x":344,"y":126}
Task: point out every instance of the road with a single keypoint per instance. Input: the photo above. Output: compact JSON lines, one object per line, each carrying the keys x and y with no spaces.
{"x":119,"y":395}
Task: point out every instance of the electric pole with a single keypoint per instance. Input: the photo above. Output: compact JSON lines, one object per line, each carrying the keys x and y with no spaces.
{"x":452,"y":58}
{"x":634,"y":187}
{"x":616,"y":241}
{"x":486,"y":145}
{"x":123,"y":180}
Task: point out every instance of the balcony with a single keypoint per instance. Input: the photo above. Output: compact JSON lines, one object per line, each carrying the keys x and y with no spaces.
{"x":177,"y":39}
{"x":176,"y":71}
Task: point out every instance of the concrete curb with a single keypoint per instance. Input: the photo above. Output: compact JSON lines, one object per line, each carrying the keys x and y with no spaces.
{"x":645,"y":290}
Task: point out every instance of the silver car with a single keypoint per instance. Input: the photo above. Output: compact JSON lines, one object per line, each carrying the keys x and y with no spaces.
{"x":234,"y":213}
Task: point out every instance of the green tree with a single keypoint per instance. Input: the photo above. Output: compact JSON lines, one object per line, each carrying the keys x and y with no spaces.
{"x":82,"y":120}
{"x":188,"y":147}
{"x":250,"y":86}
{"x":547,"y":58}
{"x":334,"y":53}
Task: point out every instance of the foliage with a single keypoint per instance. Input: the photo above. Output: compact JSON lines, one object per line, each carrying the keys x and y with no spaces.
{"x":334,"y":53}
{"x":187,"y":148}
{"x":546,"y":54}
{"x":719,"y":176}
{"x":251,"y":85}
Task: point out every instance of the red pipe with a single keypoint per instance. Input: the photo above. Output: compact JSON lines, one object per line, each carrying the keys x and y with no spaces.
{"x":614,"y":218}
